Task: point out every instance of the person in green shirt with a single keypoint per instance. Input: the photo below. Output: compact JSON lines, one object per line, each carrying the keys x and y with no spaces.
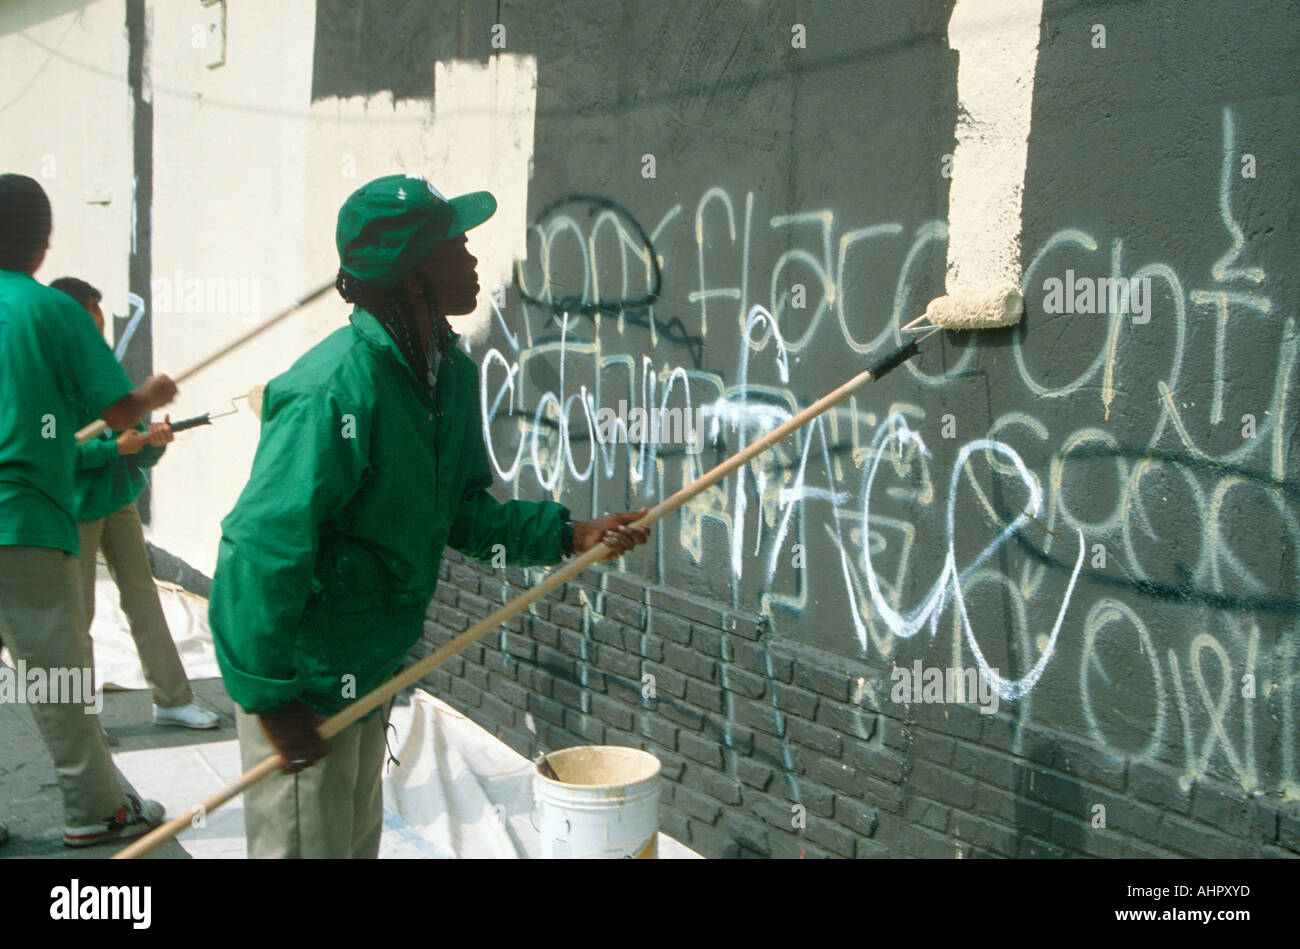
{"x":56,"y":376}
{"x":110,"y":476}
{"x":371,"y":460}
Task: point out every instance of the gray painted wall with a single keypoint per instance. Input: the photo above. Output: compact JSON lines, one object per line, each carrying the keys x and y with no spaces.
{"x":1143,"y":618}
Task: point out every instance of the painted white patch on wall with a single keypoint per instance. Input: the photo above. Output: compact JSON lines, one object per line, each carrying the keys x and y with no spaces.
{"x":997,"y":47}
{"x":483,"y":119}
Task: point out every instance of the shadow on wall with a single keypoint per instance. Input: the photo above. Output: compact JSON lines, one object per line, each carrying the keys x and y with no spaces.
{"x":172,"y":569}
{"x":366,"y":47}
{"x":23,"y":16}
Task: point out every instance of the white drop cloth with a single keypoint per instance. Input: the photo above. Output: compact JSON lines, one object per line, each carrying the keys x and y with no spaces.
{"x":458,"y":792}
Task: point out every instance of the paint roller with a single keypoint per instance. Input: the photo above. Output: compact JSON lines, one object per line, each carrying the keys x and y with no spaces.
{"x":99,"y":425}
{"x":971,"y":310}
{"x":253,"y":395}
{"x":1000,"y":307}
{"x":255,"y":400}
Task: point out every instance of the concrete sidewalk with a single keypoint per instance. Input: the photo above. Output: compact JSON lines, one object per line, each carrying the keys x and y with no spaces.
{"x":30,"y":802}
{"x":32,"y":806}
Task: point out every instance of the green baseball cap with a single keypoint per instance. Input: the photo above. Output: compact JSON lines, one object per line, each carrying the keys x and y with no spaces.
{"x":387,"y":226}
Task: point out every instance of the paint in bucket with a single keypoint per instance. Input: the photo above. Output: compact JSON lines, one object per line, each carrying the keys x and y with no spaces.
{"x":602,"y":804}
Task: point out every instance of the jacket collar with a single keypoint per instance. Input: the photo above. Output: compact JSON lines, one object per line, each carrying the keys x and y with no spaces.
{"x":372,"y":331}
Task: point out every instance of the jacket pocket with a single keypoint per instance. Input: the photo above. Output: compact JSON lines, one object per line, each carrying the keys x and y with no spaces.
{"x":352,"y":578}
{"x":344,"y":655}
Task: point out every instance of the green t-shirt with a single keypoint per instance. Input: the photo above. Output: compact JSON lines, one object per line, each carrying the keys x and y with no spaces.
{"x":107,"y":481}
{"x":56,"y":376}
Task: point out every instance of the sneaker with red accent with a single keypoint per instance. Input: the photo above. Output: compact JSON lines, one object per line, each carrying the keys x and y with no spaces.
{"x":134,"y":818}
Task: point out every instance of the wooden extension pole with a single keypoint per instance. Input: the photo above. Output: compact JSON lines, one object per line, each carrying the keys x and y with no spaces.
{"x":99,"y":425}
{"x":563,"y":575}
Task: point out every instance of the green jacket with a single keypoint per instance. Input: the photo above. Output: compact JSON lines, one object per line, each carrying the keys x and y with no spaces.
{"x":107,"y":481}
{"x":56,"y":375}
{"x":330,"y":556}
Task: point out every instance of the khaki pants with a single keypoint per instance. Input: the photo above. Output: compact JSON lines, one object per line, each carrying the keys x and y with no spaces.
{"x":334,"y":809}
{"x":42,"y":624}
{"x":121,"y":537}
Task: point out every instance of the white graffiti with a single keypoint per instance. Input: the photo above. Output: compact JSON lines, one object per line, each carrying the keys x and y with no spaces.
{"x":949,"y":583}
{"x":1097,"y":507}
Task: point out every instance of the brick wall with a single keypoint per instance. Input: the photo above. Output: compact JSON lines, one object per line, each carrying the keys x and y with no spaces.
{"x":746,"y":730}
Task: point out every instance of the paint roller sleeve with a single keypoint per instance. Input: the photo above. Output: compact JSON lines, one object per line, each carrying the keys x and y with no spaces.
{"x":977,"y":309}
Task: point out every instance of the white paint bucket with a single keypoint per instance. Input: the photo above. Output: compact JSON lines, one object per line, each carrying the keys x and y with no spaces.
{"x":604,"y":805}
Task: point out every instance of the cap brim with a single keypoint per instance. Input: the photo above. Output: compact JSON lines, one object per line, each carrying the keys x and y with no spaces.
{"x":467,"y":211}
{"x":470,"y":210}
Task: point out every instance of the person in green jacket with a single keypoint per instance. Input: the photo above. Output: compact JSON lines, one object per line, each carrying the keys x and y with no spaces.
{"x":56,"y":376}
{"x":110,"y":476}
{"x":371,"y":460}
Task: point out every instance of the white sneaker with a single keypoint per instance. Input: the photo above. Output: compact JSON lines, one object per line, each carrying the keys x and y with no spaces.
{"x":134,"y":818}
{"x":189,"y":715}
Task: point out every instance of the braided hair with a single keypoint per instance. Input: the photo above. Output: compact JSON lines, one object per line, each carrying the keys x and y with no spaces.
{"x":390,"y":304}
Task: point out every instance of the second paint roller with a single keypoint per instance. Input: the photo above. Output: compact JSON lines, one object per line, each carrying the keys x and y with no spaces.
{"x":99,"y":425}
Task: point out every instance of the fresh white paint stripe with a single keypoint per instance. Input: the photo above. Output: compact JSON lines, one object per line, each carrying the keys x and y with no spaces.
{"x":997,"y":47}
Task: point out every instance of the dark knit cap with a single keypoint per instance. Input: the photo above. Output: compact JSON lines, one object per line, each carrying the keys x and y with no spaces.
{"x":24,"y":221}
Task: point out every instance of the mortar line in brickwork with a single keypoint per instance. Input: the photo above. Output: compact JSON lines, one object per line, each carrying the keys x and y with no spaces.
{"x":586,"y":651}
{"x":645,"y":630}
{"x":778,"y":719}
{"x":649,"y":705}
{"x":730,"y":756}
